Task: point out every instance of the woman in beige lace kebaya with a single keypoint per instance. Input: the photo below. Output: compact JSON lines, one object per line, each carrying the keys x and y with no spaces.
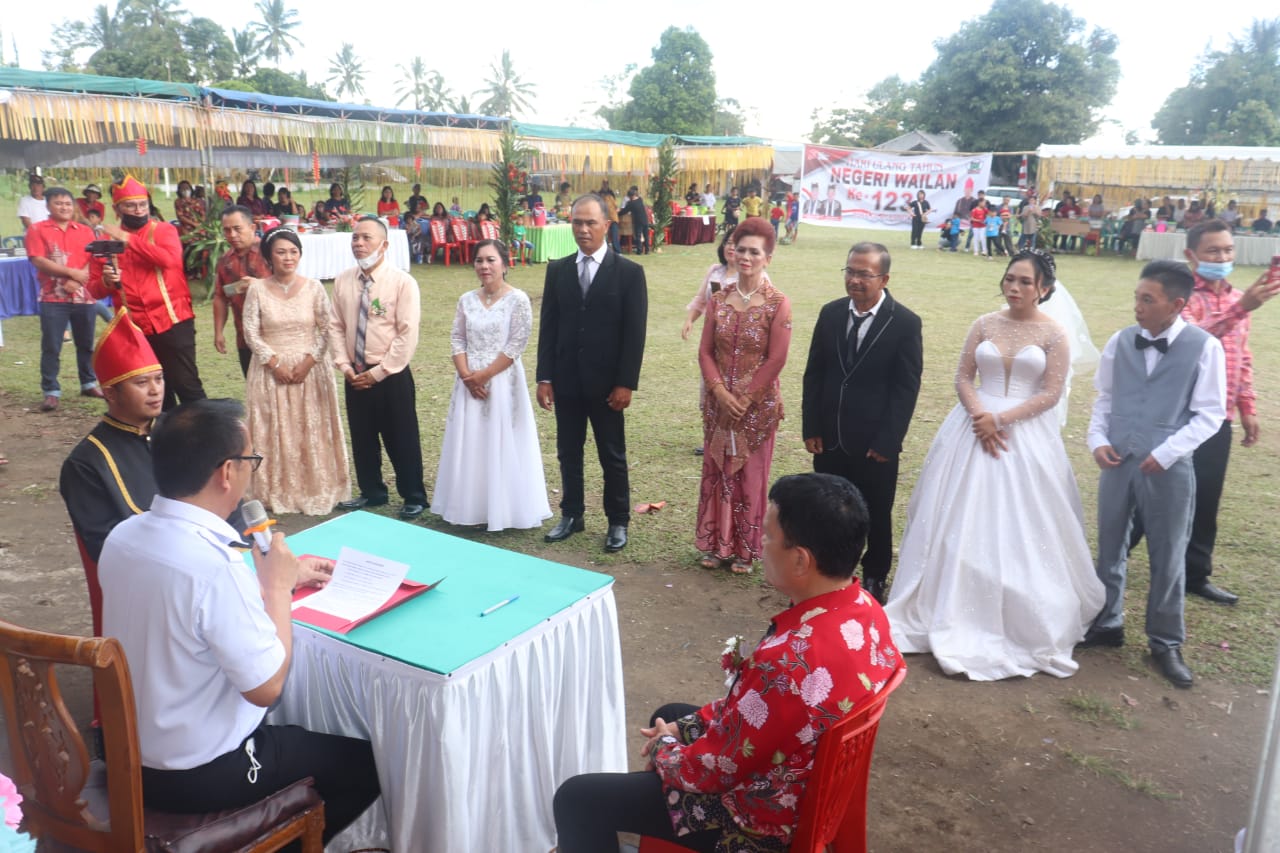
{"x":290,"y":392}
{"x":995,"y":577}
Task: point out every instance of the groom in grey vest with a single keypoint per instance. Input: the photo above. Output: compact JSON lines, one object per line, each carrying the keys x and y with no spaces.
{"x":1161,"y":392}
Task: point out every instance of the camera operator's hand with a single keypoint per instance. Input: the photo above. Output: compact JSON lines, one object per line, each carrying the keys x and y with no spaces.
{"x":115,"y":232}
{"x":111,"y":276}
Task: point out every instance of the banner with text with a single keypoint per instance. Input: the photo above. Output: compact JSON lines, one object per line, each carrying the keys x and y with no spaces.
{"x":861,"y":188}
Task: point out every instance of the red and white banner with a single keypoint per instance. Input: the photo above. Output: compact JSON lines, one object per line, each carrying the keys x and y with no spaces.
{"x":861,"y":188}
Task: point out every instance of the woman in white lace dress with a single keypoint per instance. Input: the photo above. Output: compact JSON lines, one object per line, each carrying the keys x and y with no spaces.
{"x":995,"y":577}
{"x":491,"y":463}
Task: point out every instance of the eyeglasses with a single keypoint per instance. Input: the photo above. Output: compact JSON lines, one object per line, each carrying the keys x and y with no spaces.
{"x":255,"y":460}
{"x":861,"y":275}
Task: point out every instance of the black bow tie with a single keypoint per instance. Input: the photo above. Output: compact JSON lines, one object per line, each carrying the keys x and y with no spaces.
{"x":1161,"y":344}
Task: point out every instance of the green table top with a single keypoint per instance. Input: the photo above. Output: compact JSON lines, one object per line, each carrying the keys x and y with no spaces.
{"x":441,"y":630}
{"x":550,"y":242}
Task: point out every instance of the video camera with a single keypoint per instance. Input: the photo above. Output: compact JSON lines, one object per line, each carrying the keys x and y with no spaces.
{"x":105,"y":248}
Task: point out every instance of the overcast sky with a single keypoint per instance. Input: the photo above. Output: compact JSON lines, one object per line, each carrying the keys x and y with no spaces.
{"x":780,"y":64}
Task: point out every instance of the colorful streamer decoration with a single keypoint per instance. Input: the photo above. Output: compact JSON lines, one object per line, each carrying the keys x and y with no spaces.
{"x":142,"y":145}
{"x":315,"y":167}
{"x":417,"y":164}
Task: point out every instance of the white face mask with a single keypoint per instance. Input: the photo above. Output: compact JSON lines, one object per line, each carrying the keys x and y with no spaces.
{"x":370,"y":262}
{"x":185,"y":193}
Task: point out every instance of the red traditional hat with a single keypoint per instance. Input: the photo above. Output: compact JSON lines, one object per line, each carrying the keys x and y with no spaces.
{"x":122,"y":352}
{"x":130,"y":189}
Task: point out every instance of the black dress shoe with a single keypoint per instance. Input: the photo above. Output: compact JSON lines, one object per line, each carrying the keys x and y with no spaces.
{"x":616,"y":539}
{"x":411,"y":511}
{"x":1216,"y":594}
{"x":877,"y":588}
{"x":361,"y":503}
{"x":1172,"y":667}
{"x":569,"y":525}
{"x":1112,"y":638}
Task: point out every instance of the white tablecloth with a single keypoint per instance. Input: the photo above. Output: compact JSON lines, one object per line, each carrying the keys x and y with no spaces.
{"x":326,"y":255}
{"x":470,"y":761}
{"x":1169,"y":246}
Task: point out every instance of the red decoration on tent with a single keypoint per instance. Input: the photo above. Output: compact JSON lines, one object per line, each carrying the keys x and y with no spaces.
{"x":315,"y":167}
{"x":417,"y":164}
{"x":286,"y":176}
{"x":142,"y":145}
{"x":1022,"y":173}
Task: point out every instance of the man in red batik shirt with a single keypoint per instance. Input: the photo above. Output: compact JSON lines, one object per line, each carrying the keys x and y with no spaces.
{"x":729,"y":776}
{"x":238,"y":267}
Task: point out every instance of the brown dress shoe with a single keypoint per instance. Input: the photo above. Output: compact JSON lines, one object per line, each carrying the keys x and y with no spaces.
{"x":50,"y":403}
{"x":95,"y":391}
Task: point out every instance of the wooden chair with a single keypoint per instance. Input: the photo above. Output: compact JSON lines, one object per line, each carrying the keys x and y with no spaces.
{"x":626,"y":233}
{"x":68,"y":801}
{"x":442,"y":241}
{"x":833,"y":813}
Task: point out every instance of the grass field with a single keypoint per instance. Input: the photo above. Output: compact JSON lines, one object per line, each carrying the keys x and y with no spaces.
{"x":948,"y":291}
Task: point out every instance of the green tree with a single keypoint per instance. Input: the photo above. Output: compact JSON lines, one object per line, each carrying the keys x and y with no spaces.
{"x":273,"y":81}
{"x":462,"y":105}
{"x":888,"y":114}
{"x":247,"y":53}
{"x":1233,"y":97}
{"x":437,"y":96}
{"x":1023,"y":74}
{"x":676,"y":94}
{"x":413,"y":85}
{"x":728,"y":119}
{"x":663,"y":188}
{"x":274,"y":30}
{"x":508,"y":95}
{"x":346,"y":72}
{"x":209,"y":51}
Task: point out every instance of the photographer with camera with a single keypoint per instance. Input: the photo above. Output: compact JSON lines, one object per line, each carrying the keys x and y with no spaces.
{"x":147,"y":277}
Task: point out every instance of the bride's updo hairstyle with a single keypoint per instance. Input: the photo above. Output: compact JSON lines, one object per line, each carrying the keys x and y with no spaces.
{"x":1046,"y":269}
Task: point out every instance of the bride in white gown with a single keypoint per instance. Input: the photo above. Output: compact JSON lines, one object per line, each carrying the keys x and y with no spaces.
{"x":995,"y":577}
{"x":491,"y":463}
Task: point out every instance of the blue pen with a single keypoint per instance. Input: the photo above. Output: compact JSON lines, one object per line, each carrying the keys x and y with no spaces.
{"x":500,"y":604}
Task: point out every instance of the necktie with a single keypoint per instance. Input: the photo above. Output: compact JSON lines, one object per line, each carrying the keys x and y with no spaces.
{"x":362,"y":321}
{"x":1161,"y":344}
{"x":851,"y":339}
{"x":584,"y":275}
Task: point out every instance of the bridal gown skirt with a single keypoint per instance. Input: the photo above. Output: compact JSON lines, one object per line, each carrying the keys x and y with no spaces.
{"x":491,"y":463}
{"x":995,"y":577}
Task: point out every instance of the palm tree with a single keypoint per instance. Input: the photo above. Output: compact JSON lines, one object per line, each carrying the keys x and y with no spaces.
{"x":508,"y":94}
{"x":155,"y":14}
{"x":462,"y":105}
{"x":246,"y":47}
{"x":273,"y":30}
{"x":414,"y":85}
{"x":437,"y":94}
{"x":347,"y":72}
{"x":104,"y":28}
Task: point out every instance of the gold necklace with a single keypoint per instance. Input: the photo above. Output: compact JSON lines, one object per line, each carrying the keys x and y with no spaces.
{"x":284,"y":287}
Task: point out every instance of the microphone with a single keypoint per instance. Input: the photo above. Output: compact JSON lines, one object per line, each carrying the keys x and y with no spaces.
{"x":258,"y":525}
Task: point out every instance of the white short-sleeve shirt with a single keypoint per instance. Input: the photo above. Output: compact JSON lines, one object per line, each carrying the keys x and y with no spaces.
{"x":189,"y":613}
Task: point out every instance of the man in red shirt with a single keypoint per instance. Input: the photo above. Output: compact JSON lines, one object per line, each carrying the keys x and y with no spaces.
{"x":148,"y":279}
{"x":237,"y":267}
{"x":56,"y":247}
{"x":1224,"y":312}
{"x":731,"y":774}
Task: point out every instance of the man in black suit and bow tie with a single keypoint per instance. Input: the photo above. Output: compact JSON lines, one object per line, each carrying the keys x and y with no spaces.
{"x":590,"y":346}
{"x":860,"y":388}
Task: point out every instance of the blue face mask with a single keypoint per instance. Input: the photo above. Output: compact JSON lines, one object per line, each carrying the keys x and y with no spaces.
{"x":1214,"y":272}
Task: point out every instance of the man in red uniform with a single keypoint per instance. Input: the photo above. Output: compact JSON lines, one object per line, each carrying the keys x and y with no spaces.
{"x":148,"y":279}
{"x":56,"y":247}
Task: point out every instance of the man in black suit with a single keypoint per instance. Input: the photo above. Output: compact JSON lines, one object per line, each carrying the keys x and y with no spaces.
{"x":590,"y":346}
{"x":860,"y":388}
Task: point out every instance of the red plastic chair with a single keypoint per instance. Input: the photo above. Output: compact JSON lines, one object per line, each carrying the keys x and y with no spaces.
{"x":833,"y":814}
{"x":441,"y":242}
{"x":462,"y":236}
{"x":489,"y":230}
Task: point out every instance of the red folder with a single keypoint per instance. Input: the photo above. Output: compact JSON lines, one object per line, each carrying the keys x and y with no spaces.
{"x":408,"y":589}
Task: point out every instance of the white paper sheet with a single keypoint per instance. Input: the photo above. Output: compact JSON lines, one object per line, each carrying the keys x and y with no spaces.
{"x":361,"y":584}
